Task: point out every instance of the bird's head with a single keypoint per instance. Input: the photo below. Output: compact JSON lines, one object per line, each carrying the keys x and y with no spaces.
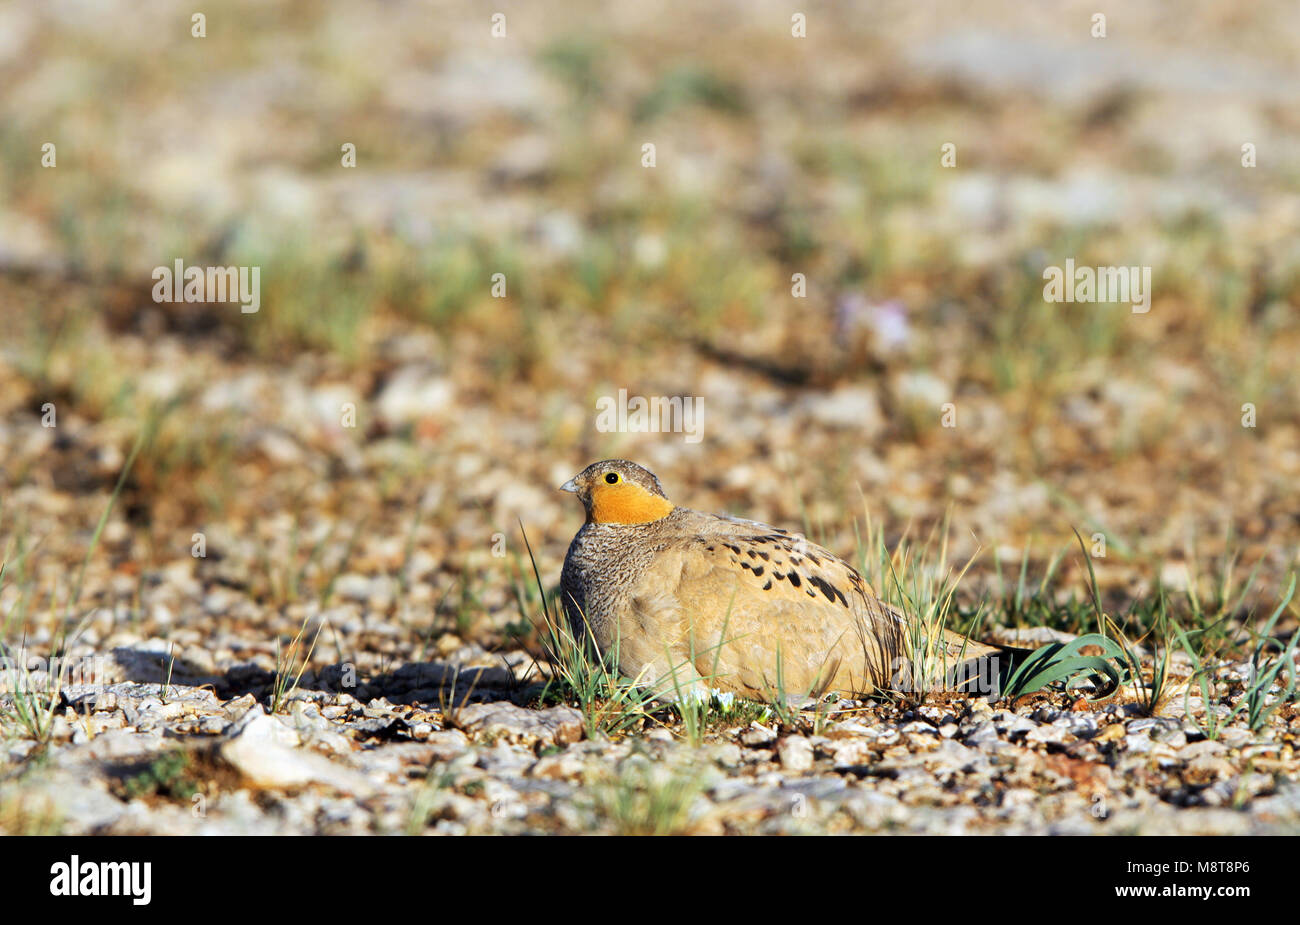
{"x":620,"y":492}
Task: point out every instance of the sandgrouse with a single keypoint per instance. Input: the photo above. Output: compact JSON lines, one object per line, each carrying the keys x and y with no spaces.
{"x":687,"y":601}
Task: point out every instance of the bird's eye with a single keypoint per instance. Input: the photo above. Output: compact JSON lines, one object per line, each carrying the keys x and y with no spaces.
{"x":611,"y":478}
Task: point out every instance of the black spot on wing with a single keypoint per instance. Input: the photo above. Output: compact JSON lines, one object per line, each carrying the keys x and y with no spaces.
{"x":829,"y":590}
{"x":767,"y":585}
{"x":794,"y":579}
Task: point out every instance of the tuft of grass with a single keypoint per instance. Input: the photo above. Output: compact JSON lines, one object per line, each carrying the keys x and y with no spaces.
{"x":1150,"y":697}
{"x":447,"y":705}
{"x":32,"y":706}
{"x":1028,"y":605}
{"x":1204,"y":670}
{"x":610,"y":703}
{"x":1258,"y":700}
{"x":918,"y":581}
{"x":171,"y":665}
{"x":692,"y":708}
{"x":169,"y":775}
{"x":703,"y":712}
{"x":1212,"y":617}
{"x":1265,"y":670}
{"x":1210,"y":607}
{"x":647,"y":799}
{"x":290,"y":665}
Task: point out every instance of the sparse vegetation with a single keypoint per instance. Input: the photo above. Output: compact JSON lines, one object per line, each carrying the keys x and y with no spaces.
{"x":195,"y":493}
{"x":169,"y":776}
{"x":643,"y":798}
{"x":290,"y":665}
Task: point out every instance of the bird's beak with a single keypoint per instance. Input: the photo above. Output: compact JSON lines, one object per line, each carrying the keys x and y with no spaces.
{"x":570,"y":485}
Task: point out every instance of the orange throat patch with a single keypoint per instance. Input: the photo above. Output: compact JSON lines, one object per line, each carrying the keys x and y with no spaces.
{"x":626,"y":504}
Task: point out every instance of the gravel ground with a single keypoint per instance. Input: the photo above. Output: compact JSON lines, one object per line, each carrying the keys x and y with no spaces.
{"x":459,"y":745}
{"x":338,"y":482}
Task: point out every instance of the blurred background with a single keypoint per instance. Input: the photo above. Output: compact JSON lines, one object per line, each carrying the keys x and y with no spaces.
{"x":522,"y":155}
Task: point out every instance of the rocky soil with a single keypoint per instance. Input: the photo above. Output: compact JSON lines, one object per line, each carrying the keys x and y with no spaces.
{"x":282,"y":559}
{"x":406,"y":752}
